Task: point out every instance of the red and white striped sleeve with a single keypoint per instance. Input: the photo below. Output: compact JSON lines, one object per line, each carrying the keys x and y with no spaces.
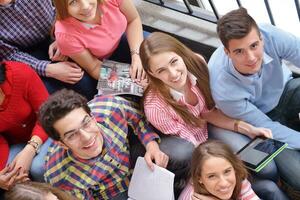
{"x":247,"y":192}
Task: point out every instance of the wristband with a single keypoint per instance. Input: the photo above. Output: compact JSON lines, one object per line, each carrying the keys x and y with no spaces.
{"x":236,"y":125}
{"x":132,"y":52}
{"x":35,"y":145}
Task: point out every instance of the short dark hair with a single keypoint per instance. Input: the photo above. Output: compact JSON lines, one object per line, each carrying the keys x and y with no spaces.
{"x":57,"y":106}
{"x":2,"y":72}
{"x":235,"y":25}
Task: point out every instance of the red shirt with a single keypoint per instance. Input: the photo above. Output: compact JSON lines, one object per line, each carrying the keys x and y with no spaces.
{"x":24,"y":93}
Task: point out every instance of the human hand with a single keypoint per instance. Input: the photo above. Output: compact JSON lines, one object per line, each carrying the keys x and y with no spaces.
{"x":24,"y":159}
{"x":197,"y":196}
{"x":54,"y":53}
{"x":137,"y":72}
{"x":11,"y":175}
{"x":258,"y":131}
{"x":67,"y":72}
{"x":154,"y":153}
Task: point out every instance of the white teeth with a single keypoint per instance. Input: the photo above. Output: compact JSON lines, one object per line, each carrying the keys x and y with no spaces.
{"x":91,"y":144}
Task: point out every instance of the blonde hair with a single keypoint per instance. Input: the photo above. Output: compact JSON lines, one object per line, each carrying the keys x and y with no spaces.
{"x":158,"y":43}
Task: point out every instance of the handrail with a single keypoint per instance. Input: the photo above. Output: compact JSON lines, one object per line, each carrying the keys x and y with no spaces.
{"x":188,"y":9}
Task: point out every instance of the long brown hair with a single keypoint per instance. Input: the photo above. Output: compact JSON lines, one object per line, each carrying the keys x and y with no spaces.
{"x":35,"y":191}
{"x":62,"y":8}
{"x":158,"y":43}
{"x":216,"y":149}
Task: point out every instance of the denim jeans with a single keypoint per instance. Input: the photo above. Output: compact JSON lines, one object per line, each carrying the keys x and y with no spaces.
{"x":265,"y":183}
{"x":286,"y":112}
{"x":37,"y":167}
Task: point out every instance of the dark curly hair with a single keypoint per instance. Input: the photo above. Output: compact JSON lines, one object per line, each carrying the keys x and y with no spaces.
{"x":2,"y":72}
{"x":58,"y":105}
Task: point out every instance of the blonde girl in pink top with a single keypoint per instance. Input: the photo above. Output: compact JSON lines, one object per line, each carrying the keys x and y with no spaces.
{"x":217,"y":173}
{"x":89,"y":31}
{"x":178,"y":100}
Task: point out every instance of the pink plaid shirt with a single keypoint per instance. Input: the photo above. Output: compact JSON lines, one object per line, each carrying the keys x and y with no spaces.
{"x":163,"y":117}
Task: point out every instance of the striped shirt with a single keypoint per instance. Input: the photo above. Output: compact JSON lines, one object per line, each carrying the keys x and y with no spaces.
{"x":108,"y":174}
{"x":163,"y":117}
{"x":24,"y":24}
{"x":247,"y":192}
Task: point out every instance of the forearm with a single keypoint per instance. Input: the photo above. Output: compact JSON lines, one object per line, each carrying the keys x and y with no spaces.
{"x":134,"y":34}
{"x":38,"y":65}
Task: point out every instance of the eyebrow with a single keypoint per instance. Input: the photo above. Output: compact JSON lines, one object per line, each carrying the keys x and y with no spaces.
{"x":167,"y":64}
{"x":70,"y":131}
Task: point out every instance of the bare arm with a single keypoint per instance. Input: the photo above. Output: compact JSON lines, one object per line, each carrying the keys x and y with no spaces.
{"x":218,"y":118}
{"x":134,"y":34}
{"x":88,"y":62}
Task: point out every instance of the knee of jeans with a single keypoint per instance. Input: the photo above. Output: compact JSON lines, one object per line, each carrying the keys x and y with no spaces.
{"x":267,"y":189}
{"x":179,"y":150}
{"x":269,"y":172}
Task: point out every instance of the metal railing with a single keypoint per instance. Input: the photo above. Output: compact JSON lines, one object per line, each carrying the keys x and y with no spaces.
{"x":192,"y":8}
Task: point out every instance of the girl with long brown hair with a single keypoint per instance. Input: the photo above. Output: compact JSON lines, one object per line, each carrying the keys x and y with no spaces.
{"x":217,"y":173}
{"x":178,"y":100}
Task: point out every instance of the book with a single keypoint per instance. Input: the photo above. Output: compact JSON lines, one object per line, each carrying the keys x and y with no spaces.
{"x":146,"y":184}
{"x":259,"y":152}
{"x":114,"y":79}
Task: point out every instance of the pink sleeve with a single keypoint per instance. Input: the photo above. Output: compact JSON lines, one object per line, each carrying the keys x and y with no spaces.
{"x":67,"y":44}
{"x":247,"y":192}
{"x":187,"y":192}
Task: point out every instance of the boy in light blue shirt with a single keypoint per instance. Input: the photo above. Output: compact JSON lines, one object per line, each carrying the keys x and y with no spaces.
{"x":250,"y":81}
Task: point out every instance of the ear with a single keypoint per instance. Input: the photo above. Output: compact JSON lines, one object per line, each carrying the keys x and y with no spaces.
{"x":63,"y":145}
{"x":226,"y":51}
{"x":200,"y":181}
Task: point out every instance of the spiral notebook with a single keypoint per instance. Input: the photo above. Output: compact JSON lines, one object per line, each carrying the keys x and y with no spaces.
{"x":146,"y":184}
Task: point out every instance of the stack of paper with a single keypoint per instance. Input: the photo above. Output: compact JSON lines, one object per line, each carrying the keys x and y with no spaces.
{"x":146,"y":184}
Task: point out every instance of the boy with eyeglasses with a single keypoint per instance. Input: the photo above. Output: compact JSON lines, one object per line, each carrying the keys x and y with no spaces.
{"x":90,"y":155}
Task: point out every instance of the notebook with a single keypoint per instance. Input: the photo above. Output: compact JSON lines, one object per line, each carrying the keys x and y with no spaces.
{"x":146,"y":184}
{"x":259,"y":152}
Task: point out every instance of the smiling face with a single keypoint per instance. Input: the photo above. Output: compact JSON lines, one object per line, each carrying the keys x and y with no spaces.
{"x":218,"y":177}
{"x":170,"y":69}
{"x":79,"y":132}
{"x":5,"y":2}
{"x":83,"y":10}
{"x":246,"y":53}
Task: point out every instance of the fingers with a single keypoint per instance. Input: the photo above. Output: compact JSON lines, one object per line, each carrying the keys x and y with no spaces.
{"x":51,"y":51}
{"x":133,"y":72}
{"x":162,"y":160}
{"x":12,"y":174}
{"x":149,"y":161}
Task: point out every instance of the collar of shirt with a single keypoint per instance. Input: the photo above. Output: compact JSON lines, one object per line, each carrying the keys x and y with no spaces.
{"x":178,"y":95}
{"x":249,"y":79}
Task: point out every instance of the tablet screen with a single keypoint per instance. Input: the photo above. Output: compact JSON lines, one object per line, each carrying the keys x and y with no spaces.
{"x":258,"y":150}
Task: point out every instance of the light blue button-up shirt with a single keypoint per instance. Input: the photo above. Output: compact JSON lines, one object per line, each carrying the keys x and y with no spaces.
{"x":250,"y":97}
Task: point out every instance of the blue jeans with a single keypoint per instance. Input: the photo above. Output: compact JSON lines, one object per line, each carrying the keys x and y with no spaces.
{"x":37,"y":167}
{"x":268,"y":176}
{"x":286,"y":112}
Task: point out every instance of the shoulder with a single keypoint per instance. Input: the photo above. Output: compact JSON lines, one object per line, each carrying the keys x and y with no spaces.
{"x":116,"y":3}
{"x":153,"y":98}
{"x":56,"y":164}
{"x":106,"y":105}
{"x":20,"y":70}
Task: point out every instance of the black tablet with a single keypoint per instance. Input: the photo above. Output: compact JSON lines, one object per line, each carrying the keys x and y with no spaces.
{"x":259,"y":152}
